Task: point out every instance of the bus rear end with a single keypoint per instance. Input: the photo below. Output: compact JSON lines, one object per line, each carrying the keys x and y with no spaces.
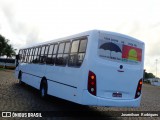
{"x":2,"y":62}
{"x":115,"y":72}
{"x":10,"y":63}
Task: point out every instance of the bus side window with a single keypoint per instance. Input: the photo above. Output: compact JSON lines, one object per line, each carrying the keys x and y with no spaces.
{"x":29,"y":56}
{"x":54,"y":53}
{"x":20,"y":55}
{"x":45,"y":53}
{"x":82,"y":51}
{"x":59,"y":58}
{"x":26,"y":55}
{"x":23,"y":55}
{"x":83,"y":45}
{"x":49,"y":56}
{"x":28,"y":51}
{"x":38,"y":55}
{"x":32,"y":56}
{"x":66,"y":52}
{"x":42,"y":57}
{"x":77,"y":53}
{"x":73,"y":54}
{"x":35,"y":55}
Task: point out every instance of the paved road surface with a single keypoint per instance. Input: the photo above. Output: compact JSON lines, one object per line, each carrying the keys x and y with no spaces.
{"x":15,"y":97}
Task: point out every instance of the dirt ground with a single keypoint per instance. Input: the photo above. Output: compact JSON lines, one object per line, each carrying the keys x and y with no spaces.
{"x":15,"y":97}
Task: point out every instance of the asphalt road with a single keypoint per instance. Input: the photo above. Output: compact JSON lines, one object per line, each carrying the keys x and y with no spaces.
{"x":15,"y":97}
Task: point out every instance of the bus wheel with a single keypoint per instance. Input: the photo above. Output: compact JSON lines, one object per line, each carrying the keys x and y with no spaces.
{"x":43,"y":89}
{"x":20,"y":78}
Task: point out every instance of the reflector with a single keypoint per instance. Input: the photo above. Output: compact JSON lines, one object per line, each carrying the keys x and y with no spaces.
{"x":139,"y":87}
{"x":92,"y":83}
{"x":92,"y":77}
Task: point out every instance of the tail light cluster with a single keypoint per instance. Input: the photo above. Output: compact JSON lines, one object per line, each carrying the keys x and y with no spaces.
{"x":139,"y":88}
{"x":92,"y":83}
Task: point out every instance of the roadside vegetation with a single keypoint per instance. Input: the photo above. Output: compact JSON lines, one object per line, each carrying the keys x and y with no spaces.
{"x":6,"y":49}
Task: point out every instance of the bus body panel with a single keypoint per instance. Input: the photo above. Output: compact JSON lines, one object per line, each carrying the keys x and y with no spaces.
{"x":7,"y":63}
{"x":60,"y":79}
{"x":119,"y":103}
{"x":32,"y":74}
{"x":37,"y":71}
{"x":112,"y":81}
{"x":61,"y":91}
{"x":70,"y":83}
{"x":2,"y":64}
{"x":89,"y":99}
{"x":110,"y":78}
{"x":10,"y":63}
{"x":63,"y":78}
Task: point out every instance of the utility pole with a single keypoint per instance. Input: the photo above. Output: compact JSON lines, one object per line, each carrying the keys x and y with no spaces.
{"x":156,"y":66}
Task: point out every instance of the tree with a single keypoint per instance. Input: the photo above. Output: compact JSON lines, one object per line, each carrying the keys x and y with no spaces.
{"x":9,"y":51}
{"x":3,"y":44}
{"x":149,"y":75}
{"x":5,"y":48}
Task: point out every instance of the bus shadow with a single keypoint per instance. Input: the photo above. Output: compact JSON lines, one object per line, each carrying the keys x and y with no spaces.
{"x":74,"y":110}
{"x":65,"y":108}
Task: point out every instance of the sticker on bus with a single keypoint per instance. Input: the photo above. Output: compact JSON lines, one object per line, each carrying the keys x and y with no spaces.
{"x":120,"y":52}
{"x":132,"y":53}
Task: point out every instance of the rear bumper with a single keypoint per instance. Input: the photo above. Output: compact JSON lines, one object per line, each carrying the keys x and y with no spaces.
{"x":119,"y":103}
{"x":89,"y":99}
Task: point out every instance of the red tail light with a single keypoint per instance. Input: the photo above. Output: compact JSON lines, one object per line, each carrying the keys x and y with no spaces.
{"x":92,"y":83}
{"x":139,"y":88}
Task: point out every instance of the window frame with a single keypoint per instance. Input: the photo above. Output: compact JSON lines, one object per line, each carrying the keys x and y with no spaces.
{"x":53,"y":54}
{"x":42,"y":55}
{"x":30,"y":54}
{"x":66,"y":63}
{"x":63,"y":64}
{"x":47,"y":59}
{"x":34,"y":55}
{"x":56,"y":61}
{"x":75,"y":65}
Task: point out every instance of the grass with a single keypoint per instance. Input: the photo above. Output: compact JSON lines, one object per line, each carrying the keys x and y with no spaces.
{"x":2,"y":69}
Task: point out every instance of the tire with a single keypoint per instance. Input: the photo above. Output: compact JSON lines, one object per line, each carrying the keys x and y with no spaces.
{"x":43,"y":91}
{"x":20,"y":78}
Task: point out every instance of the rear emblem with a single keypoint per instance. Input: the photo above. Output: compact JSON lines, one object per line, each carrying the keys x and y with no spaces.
{"x":121,"y":66}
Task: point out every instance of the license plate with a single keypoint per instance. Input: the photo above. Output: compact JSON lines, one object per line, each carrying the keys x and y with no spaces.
{"x":117,"y":94}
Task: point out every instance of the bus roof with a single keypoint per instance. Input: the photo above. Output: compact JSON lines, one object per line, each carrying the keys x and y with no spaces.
{"x":84,"y":34}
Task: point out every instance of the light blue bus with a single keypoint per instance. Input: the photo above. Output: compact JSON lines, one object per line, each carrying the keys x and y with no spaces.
{"x":99,"y":68}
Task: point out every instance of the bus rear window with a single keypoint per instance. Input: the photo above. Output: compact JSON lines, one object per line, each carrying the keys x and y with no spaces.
{"x":116,"y":51}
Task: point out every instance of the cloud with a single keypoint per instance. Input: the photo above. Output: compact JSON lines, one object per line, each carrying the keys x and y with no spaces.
{"x":18,"y":30}
{"x":28,"y":22}
{"x":149,"y":34}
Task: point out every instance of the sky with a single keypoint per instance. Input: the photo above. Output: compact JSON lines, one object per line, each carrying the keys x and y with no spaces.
{"x":27,"y":22}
